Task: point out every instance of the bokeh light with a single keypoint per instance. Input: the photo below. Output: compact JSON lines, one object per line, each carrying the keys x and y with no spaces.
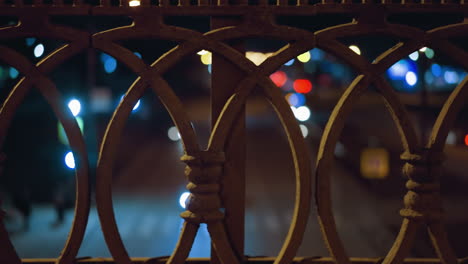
{"x":429,"y":53}
{"x":317,"y":54}
{"x":414,"y":56}
{"x":110,"y":65}
{"x":304,"y":57}
{"x":202,"y":52}
{"x":183,"y":199}
{"x":302,"y":86}
{"x":70,"y":160}
{"x":451,"y":138}
{"x":279,"y":78}
{"x":30,"y":41}
{"x":295,"y":99}
{"x":138,"y":54}
{"x":13,"y":73}
{"x":206,"y":58}
{"x":289,"y":63}
{"x":301,"y":113}
{"x":355,"y":49}
{"x":411,"y":78}
{"x":304,"y":130}
{"x":173,"y":133}
{"x":39,"y":50}
{"x":136,"y":106}
{"x":436,"y":70}
{"x":134,"y":3}
{"x":451,"y":77}
{"x":75,"y":107}
{"x":398,"y":70}
{"x":466,"y":140}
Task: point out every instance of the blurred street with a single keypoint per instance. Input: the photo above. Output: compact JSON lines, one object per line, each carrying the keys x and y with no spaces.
{"x":148,"y":185}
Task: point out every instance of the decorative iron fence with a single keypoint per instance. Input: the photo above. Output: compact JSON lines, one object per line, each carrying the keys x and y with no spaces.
{"x":217,"y":191}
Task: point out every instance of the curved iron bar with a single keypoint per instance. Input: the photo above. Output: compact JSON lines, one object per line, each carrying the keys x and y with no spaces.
{"x":34,"y":76}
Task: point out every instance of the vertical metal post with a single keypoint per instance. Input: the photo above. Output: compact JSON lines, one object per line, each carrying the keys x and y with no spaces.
{"x":225,"y":78}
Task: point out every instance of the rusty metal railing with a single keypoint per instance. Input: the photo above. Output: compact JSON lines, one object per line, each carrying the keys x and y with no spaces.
{"x":212,"y":185}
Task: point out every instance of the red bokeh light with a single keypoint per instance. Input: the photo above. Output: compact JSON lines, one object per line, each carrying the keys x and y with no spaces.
{"x":466,"y":140}
{"x":302,"y":86}
{"x":279,"y":78}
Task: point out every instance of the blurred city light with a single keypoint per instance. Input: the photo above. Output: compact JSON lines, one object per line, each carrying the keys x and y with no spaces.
{"x":304,"y":130}
{"x":428,"y":77}
{"x":355,"y":49}
{"x":466,"y":140}
{"x":317,"y":54}
{"x":39,"y":50}
{"x":398,"y":70}
{"x":436,"y":70}
{"x":423,"y":49}
{"x":202,"y":52}
{"x":411,"y":78}
{"x":451,"y":138}
{"x":62,"y":136}
{"x":301,"y":113}
{"x":302,"y":86}
{"x":304,"y":57}
{"x":451,"y":77}
{"x":340,"y":150}
{"x":173,"y":133}
{"x":183,"y":199}
{"x":414,"y":56}
{"x":135,"y":107}
{"x":134,"y":3}
{"x":289,"y":63}
{"x":70,"y":160}
{"x":75,"y":107}
{"x":110,"y":65}
{"x":206,"y":58}
{"x":279,"y":78}
{"x":13,"y":73}
{"x":30,"y":41}
{"x":138,"y":54}
{"x":257,"y":57}
{"x":375,"y":163}
{"x":295,"y":99}
{"x":429,"y":53}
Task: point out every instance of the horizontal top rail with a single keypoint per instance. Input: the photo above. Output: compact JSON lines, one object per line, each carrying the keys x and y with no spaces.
{"x":251,"y":260}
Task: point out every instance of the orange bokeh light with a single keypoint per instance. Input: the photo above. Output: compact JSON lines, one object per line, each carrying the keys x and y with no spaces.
{"x":279,"y":78}
{"x":466,"y":140}
{"x":302,"y":86}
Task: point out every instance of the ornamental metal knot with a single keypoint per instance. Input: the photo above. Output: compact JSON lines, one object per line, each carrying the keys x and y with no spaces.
{"x":203,"y":170}
{"x":423,"y":200}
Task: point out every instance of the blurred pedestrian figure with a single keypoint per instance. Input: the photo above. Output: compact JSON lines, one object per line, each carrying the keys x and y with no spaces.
{"x":21,"y":200}
{"x":63,"y":200}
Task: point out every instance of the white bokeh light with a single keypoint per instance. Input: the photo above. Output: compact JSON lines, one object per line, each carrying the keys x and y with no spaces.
{"x":173,"y":133}
{"x":411,"y":78}
{"x":183,"y":199}
{"x":75,"y":107}
{"x":39,"y":50}
{"x":70,"y":160}
{"x":304,"y":130}
{"x":136,"y":105}
{"x":414,"y":56}
{"x":301,"y":113}
{"x":355,"y":49}
{"x":134,"y":3}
